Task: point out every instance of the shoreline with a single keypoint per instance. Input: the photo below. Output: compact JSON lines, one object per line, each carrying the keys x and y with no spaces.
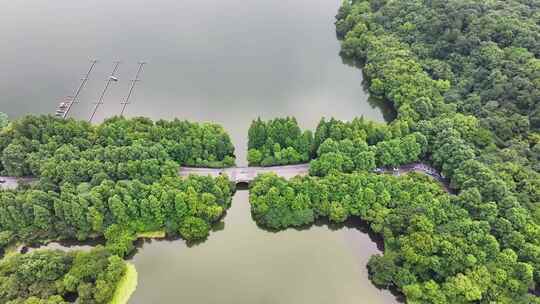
{"x":127,"y":285}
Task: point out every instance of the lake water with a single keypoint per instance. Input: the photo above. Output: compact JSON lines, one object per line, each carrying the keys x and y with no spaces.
{"x":226,"y":61}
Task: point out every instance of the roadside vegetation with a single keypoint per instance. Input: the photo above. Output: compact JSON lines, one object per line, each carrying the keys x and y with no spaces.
{"x":346,"y":146}
{"x":74,"y":151}
{"x":116,"y":179}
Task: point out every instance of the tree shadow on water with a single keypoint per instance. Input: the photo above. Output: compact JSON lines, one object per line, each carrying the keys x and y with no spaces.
{"x":353,"y":222}
{"x":385,"y":106}
{"x":172,"y":236}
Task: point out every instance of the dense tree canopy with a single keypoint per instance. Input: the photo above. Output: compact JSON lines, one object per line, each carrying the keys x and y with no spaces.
{"x":337,"y":145}
{"x":362,"y":145}
{"x":435,"y":252}
{"x":3,"y":120}
{"x":480,"y":57}
{"x":115,"y":180}
{"x":76,"y":151}
{"x":117,"y":210}
{"x":278,"y":142}
{"x":56,"y":277}
{"x":463,"y":77}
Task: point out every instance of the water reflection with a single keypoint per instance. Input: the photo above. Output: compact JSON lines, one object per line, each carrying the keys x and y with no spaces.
{"x":227,"y":61}
{"x":245,"y":264}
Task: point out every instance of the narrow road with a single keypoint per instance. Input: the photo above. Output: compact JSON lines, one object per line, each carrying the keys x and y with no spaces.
{"x":247,"y":174}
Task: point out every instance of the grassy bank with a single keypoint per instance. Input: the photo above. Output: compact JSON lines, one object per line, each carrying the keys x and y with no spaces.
{"x":126,"y":286}
{"x":160,"y":234}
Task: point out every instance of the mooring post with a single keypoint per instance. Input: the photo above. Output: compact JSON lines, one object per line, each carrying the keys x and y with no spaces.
{"x":133,"y":82}
{"x":100,"y":101}
{"x":79,"y":89}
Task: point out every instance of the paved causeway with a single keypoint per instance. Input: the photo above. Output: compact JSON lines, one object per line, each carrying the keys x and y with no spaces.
{"x":247,"y":174}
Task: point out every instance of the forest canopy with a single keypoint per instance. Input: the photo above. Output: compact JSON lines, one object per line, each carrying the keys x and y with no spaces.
{"x":114,"y":180}
{"x":278,"y":142}
{"x":336,"y":145}
{"x":76,"y":151}
{"x":56,"y":277}
{"x":433,"y":57}
{"x":463,"y":77}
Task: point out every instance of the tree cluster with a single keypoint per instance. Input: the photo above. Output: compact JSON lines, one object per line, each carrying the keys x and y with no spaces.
{"x":278,"y":142}
{"x":336,"y":146}
{"x":56,"y":277}
{"x":115,"y":180}
{"x":117,"y":210}
{"x":432,"y":60}
{"x":120,"y":148}
{"x":4,"y":120}
{"x":362,"y":145}
{"x":434,"y":250}
{"x":480,"y":57}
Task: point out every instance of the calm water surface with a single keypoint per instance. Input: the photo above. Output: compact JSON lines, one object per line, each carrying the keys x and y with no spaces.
{"x":227,"y":61}
{"x":245,"y":264}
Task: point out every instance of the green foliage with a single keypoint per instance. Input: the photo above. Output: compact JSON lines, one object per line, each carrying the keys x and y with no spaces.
{"x":4,"y":120}
{"x":434,"y":251}
{"x":349,"y":155}
{"x":47,"y":276}
{"x":119,"y":240}
{"x":115,"y":179}
{"x":337,"y":146}
{"x":278,"y":142}
{"x":116,"y":209}
{"x":73,"y":151}
{"x":431,"y":58}
{"x":194,"y":228}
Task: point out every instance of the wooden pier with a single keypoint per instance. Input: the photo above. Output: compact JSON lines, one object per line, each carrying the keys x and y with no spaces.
{"x":133,"y":83}
{"x":111,"y":78}
{"x":64,"y":107}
